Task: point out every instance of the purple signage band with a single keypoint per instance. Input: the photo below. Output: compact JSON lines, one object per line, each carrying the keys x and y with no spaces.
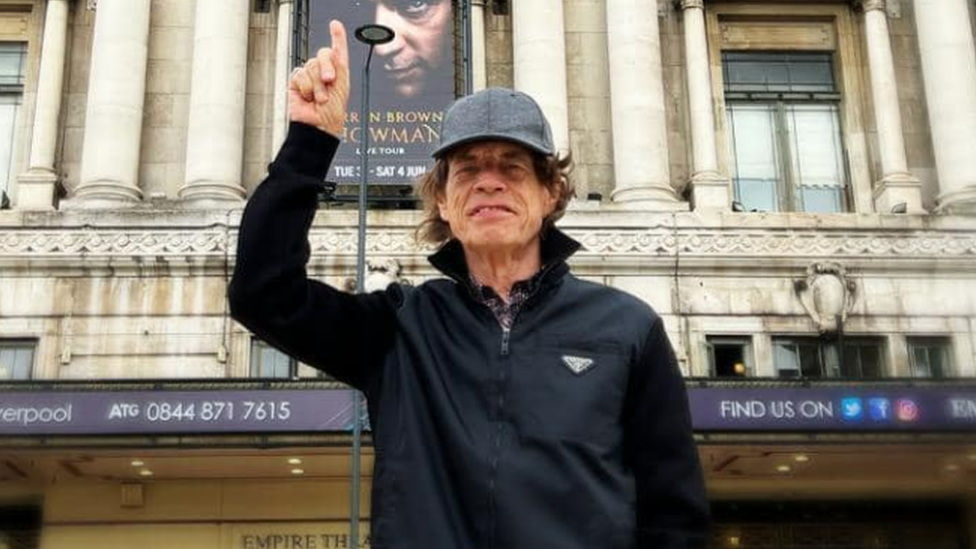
{"x":130,"y":412}
{"x":848,"y":409}
{"x":157,"y":412}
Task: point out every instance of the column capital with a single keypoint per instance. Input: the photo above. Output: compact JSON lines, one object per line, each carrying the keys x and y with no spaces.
{"x":871,"y":5}
{"x":690,"y":4}
{"x":283,"y":2}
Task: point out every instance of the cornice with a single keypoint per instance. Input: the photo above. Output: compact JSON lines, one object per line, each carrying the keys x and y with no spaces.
{"x":87,"y":244}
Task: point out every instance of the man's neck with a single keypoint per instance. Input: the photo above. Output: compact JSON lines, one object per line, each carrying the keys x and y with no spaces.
{"x":501,"y":269}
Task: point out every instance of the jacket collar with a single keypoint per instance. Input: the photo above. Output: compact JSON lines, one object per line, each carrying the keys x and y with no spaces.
{"x":557,"y":247}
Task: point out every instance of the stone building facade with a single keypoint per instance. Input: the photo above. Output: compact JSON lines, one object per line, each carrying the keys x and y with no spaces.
{"x":791,"y":184}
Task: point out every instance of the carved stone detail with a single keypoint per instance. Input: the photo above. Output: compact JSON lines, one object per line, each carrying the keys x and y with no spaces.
{"x":869,"y":5}
{"x":49,"y":243}
{"x":691,"y":4}
{"x":827,"y":295}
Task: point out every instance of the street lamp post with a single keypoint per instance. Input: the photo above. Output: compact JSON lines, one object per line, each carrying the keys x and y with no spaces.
{"x":371,"y":35}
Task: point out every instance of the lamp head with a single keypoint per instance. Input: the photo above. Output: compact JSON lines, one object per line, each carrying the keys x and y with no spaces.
{"x":374,"y":35}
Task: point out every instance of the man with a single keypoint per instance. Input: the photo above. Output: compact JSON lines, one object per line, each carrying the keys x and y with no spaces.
{"x":512,"y":405}
{"x":419,"y":57}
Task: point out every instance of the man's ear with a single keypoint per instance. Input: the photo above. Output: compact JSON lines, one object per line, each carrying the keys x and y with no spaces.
{"x":551,"y":200}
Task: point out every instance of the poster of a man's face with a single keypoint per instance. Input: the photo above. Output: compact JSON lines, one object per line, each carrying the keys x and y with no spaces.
{"x":412,"y":84}
{"x":422,"y":46}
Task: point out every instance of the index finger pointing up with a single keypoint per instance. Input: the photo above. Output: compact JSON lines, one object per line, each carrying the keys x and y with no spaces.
{"x":339,"y":44}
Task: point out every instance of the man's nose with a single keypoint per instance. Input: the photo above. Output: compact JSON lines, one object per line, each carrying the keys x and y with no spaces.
{"x":490,"y":182}
{"x":389,"y":18}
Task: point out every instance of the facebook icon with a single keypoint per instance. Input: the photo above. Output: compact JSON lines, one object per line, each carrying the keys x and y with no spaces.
{"x":879,"y":409}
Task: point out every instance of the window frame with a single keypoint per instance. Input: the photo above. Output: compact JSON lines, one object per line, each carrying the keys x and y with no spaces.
{"x":15,"y":343}
{"x":788,"y":196}
{"x":258,"y":347}
{"x":748,"y":353}
{"x":834,"y":29}
{"x":830,"y":355}
{"x":14,"y":92}
{"x":943,"y":344}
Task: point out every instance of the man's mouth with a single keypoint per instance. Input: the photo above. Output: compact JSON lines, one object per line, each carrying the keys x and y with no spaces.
{"x":490,"y":210}
{"x":402,"y":73}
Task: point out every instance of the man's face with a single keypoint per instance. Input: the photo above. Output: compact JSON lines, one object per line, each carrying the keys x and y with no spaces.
{"x":421,"y":46}
{"x":493,"y":199}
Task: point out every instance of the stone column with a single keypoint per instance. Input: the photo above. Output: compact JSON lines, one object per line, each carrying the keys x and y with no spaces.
{"x":37,"y":187}
{"x":640,"y":134}
{"x":215,"y":134}
{"x":282,"y":74}
{"x":945,"y":41}
{"x":539,"y":42}
{"x":709,"y":188}
{"x":116,"y":91}
{"x":897,"y":189}
{"x":479,"y":66}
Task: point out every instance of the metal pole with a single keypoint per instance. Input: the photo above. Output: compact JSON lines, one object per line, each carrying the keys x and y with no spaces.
{"x":357,"y":428}
{"x":468,"y":48}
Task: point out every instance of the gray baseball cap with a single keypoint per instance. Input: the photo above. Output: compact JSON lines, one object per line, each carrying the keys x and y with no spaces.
{"x":496,"y":113}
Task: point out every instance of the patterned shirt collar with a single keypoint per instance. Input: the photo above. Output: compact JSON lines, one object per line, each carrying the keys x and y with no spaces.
{"x":504,"y":312}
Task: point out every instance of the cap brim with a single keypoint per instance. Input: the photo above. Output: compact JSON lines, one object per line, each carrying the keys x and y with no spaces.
{"x":447,"y":147}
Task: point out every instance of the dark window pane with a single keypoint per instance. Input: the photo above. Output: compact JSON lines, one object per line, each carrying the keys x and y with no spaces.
{"x":810,"y":360}
{"x":930,"y":356}
{"x":871,"y":361}
{"x":782,"y":72}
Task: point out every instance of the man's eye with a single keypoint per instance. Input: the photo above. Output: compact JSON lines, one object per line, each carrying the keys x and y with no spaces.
{"x":414,"y":8}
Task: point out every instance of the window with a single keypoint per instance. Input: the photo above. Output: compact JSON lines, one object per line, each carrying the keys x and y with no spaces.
{"x":13,"y":56}
{"x":730,"y":356}
{"x":785,"y":151}
{"x":819,"y":358}
{"x":930,"y":356}
{"x":268,"y":362}
{"x":16,"y":359}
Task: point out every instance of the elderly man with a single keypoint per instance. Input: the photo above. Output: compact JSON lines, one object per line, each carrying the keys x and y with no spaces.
{"x":512,"y":404}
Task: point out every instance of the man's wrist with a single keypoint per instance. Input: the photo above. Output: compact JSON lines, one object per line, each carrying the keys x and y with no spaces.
{"x":307,"y":150}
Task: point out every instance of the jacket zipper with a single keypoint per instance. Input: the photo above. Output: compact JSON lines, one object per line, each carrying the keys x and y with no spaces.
{"x":497,"y":438}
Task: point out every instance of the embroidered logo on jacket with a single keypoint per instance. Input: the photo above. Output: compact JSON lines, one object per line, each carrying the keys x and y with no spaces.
{"x":578,"y":364}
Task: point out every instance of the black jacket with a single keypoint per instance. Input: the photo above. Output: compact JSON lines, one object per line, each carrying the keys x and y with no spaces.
{"x":484,"y":438}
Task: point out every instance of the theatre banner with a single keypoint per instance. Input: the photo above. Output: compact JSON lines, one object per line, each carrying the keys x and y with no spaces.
{"x":714,"y":409}
{"x":942,"y":408}
{"x":412,"y":84}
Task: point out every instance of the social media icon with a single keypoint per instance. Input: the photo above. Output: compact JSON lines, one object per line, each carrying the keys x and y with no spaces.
{"x":906,"y":410}
{"x":879,"y":409}
{"x":851,"y":409}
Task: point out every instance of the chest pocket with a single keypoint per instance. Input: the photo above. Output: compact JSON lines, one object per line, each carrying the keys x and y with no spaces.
{"x":570,"y":392}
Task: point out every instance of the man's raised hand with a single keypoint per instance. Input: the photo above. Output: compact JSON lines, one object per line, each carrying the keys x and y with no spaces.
{"x":319,"y":91}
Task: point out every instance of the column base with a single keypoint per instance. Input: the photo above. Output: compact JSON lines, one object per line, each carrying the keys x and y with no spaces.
{"x":103,"y":194}
{"x":962,"y":202}
{"x":898,"y":193}
{"x":212,"y":194}
{"x":37,"y":190}
{"x":649,"y":197}
{"x":710,"y":192}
